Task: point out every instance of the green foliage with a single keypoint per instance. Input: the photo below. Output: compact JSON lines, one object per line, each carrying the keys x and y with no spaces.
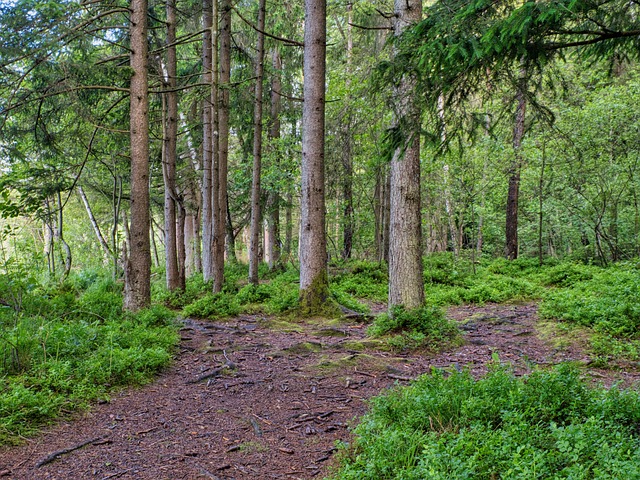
{"x":609,"y":302}
{"x":547,"y":425}
{"x":362,"y":279}
{"x":421,"y":327}
{"x":213,"y":305}
{"x":72,"y":347}
{"x":500,"y":281}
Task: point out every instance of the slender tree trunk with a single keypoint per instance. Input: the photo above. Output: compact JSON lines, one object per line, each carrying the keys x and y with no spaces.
{"x":540,"y":204}
{"x":256,"y":218}
{"x":65,"y":246}
{"x":272,"y":247}
{"x":94,"y":223}
{"x":137,"y":292}
{"x":406,"y":285}
{"x":230,"y":243}
{"x":207,"y":146}
{"x":288,"y":224}
{"x":513,"y":192}
{"x":314,"y":286}
{"x":347,"y":157}
{"x":170,"y":153}
{"x":181,"y":246}
{"x":117,"y":202}
{"x":219,"y":228}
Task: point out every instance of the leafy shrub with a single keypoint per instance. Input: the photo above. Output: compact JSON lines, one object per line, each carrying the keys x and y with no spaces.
{"x":362,"y":280}
{"x":213,"y":305}
{"x":547,"y":425}
{"x":443,"y":269}
{"x":425,"y":326}
{"x":609,"y":302}
{"x":567,"y":274}
{"x":75,"y":351}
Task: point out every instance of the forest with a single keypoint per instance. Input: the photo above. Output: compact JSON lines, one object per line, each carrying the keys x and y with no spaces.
{"x":319,"y":239}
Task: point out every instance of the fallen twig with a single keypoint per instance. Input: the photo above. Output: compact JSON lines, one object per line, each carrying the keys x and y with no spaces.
{"x":117,"y":474}
{"x":50,"y":458}
{"x":400,"y":377}
{"x":213,"y":373}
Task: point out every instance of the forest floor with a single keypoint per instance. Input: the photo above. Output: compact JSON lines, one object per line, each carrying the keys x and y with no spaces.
{"x":257,"y":398}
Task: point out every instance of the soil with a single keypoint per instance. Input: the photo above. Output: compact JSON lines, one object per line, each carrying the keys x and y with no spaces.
{"x":257,"y":398}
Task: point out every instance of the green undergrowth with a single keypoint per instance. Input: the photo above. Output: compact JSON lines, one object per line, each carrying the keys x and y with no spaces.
{"x":424,"y":327}
{"x":70,"y":344}
{"x":277,"y":293}
{"x":550,"y":424}
{"x":608,"y":302}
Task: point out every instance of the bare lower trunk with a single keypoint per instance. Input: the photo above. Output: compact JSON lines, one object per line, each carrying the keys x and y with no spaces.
{"x":511,"y":226}
{"x":314,"y":287}
{"x":181,"y":246}
{"x":256,"y":217}
{"x":272,"y":245}
{"x":207,"y":146}
{"x":406,"y":285}
{"x":137,"y":292}
{"x":219,"y":227}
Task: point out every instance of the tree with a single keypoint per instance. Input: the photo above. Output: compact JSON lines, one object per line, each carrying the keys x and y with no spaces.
{"x":314,"y":286}
{"x":138,"y":268}
{"x":257,"y":150}
{"x":406,"y":286}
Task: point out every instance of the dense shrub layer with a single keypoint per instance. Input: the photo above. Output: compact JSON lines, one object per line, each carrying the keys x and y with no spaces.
{"x":547,"y":425}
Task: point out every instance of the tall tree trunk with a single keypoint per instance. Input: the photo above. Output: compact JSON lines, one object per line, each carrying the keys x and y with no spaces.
{"x":272,"y":247}
{"x":116,"y":203}
{"x":314,"y":285}
{"x":513,"y":192}
{"x":256,"y":218}
{"x":207,"y":146}
{"x":60,"y":236}
{"x":181,"y":245}
{"x":347,"y":158}
{"x":170,"y":154}
{"x":219,"y":227}
{"x":406,"y":285}
{"x":137,"y":291}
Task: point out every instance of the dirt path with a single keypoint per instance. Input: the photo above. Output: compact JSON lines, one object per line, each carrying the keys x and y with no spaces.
{"x":246,"y":399}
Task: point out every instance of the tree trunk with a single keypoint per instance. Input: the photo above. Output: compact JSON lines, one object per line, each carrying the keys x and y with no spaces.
{"x":207,"y":146}
{"x":347,"y":158}
{"x":314,"y":286}
{"x":219,"y":227}
{"x":181,"y":246}
{"x":513,"y":192}
{"x":256,"y":218}
{"x":272,"y":247}
{"x":94,"y":223}
{"x":170,"y":154}
{"x":137,"y":291}
{"x":406,"y":285}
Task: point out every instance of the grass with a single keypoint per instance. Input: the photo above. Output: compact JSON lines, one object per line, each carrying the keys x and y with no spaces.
{"x":550,"y":424}
{"x":71,"y":344}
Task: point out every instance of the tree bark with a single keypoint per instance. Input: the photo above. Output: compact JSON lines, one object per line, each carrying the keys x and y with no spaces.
{"x":170,"y":154}
{"x":137,"y":291}
{"x":256,"y":218}
{"x":94,"y":223}
{"x":511,"y":227}
{"x":207,"y":146}
{"x":347,"y":158}
{"x":406,"y":286}
{"x":314,"y":286}
{"x":272,"y":247}
{"x":219,"y":227}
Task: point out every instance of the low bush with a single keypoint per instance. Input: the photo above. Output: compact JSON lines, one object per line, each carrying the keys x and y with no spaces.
{"x":421,"y":327}
{"x":609,"y":302}
{"x":547,"y":425}
{"x":71,"y":350}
